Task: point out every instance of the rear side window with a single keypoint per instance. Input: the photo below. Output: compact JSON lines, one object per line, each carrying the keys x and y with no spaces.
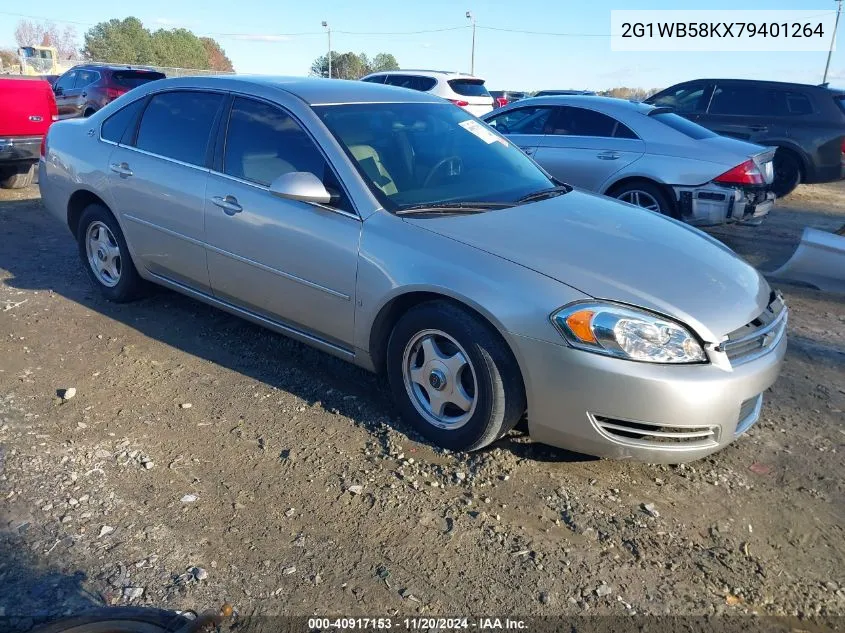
{"x":582,"y":122}
{"x":412,"y":82}
{"x":759,"y":101}
{"x":115,"y":126}
{"x":178,"y":125}
{"x":684,"y":126}
{"x":469,"y":87}
{"x":376,"y":79}
{"x":796,"y":104}
{"x":134,"y":78}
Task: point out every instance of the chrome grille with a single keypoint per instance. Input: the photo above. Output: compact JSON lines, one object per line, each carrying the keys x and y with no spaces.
{"x":656,"y":435}
{"x":757,"y":338}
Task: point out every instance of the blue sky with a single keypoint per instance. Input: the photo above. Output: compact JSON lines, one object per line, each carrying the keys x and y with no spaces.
{"x":259,"y":37}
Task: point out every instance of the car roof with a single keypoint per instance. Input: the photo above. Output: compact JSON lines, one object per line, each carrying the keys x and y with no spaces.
{"x":764,"y":82}
{"x":451,"y":74}
{"x":311,"y":90}
{"x":605,"y":104}
{"x":95,"y":66}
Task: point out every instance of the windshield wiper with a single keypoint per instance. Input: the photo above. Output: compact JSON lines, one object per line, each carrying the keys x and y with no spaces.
{"x":452,"y":207}
{"x":545,"y":193}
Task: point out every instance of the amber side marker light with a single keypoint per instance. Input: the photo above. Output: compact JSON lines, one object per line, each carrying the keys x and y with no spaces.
{"x":579,"y":324}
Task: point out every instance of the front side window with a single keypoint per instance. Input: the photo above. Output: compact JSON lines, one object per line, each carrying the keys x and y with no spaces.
{"x":178,"y":125}
{"x":263,"y":142}
{"x":66,"y":81}
{"x":527,"y":120}
{"x":686,"y":99}
{"x":114,"y":127}
{"x":375,"y":79}
{"x":425,"y":153}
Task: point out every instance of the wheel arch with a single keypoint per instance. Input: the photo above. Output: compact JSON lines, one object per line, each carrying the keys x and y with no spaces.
{"x":77,"y":203}
{"x":398,"y":305}
{"x":804,"y":163}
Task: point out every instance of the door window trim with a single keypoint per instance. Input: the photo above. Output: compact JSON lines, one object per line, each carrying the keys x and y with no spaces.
{"x":220,"y":148}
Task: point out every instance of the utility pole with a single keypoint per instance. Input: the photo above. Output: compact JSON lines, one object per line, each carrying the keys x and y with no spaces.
{"x":471,"y":17}
{"x":329,"y":31}
{"x":832,"y":40}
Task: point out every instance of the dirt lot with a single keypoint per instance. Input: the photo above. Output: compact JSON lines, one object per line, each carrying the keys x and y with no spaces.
{"x":204,"y":459}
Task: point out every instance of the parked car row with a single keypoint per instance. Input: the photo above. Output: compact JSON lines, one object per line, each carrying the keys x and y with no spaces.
{"x":398,"y":232}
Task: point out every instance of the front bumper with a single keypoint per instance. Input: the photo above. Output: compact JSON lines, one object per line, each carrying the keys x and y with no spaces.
{"x":622,"y":409}
{"x":18,"y":149}
{"x":712,"y":204}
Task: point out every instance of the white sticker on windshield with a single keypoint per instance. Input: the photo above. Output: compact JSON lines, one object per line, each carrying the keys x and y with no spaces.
{"x":479,"y":130}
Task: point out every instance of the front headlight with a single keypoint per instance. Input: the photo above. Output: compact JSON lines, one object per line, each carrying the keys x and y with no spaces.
{"x":615,"y":330}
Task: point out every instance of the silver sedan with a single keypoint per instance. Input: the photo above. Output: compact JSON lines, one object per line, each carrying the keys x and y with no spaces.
{"x":643,"y":155}
{"x":396,"y":231}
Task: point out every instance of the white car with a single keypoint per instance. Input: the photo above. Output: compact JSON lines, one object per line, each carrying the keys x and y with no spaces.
{"x":461,"y":89}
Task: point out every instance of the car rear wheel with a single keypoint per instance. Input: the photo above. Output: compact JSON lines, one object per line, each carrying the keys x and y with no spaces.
{"x":646,"y":195}
{"x":105,"y":255}
{"x":17,"y":176}
{"x":787,"y":169}
{"x":453,"y":377}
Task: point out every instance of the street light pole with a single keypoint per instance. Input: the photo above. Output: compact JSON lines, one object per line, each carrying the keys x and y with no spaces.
{"x":832,"y":40}
{"x":329,"y":31}
{"x":471,"y":17}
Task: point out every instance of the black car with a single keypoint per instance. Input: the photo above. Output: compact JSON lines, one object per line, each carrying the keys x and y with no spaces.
{"x":86,"y":88}
{"x":806,"y":123}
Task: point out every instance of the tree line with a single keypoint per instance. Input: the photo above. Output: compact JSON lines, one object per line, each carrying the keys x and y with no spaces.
{"x":351,"y":65}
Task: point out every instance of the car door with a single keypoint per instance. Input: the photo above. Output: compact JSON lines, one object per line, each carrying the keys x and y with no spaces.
{"x":158,"y":182}
{"x":291,"y":261}
{"x":750,"y":112}
{"x":79,"y":94}
{"x":584,"y":147}
{"x":524,"y":126}
{"x":63,"y":89}
{"x":689,"y":99}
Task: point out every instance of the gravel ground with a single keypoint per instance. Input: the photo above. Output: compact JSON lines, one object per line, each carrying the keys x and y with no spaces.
{"x":202,"y":460}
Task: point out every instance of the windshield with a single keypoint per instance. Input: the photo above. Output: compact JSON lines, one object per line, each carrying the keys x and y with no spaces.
{"x":426,"y":153}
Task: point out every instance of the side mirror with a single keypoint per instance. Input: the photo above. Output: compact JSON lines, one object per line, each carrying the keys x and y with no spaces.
{"x":58,"y":90}
{"x":300,"y":185}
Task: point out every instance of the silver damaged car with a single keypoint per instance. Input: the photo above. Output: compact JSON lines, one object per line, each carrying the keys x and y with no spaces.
{"x":647,"y":156}
{"x":394,"y":230}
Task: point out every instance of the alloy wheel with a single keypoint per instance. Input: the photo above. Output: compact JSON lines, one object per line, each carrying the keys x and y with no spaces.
{"x":642,"y":199}
{"x":103,"y":252}
{"x":440,"y":379}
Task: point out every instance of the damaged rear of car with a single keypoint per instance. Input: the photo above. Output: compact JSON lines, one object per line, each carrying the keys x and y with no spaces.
{"x":644,"y":155}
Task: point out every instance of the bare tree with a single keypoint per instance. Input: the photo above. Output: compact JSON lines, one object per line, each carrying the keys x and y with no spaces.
{"x":48,"y":34}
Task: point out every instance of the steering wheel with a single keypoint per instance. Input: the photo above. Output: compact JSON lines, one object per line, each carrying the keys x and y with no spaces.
{"x":437,"y":167}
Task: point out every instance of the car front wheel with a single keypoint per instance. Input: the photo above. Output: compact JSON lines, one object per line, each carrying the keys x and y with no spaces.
{"x":105,"y":255}
{"x":453,"y":377}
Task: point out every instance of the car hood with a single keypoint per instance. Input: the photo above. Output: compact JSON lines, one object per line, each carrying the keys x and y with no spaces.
{"x":619,"y":252}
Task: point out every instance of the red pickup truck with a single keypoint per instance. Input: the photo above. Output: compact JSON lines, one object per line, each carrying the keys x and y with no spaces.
{"x":27,"y":108}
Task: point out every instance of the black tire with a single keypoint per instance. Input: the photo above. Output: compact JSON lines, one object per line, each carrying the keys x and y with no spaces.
{"x":665,"y":204}
{"x":500,"y":394}
{"x":118,"y":620}
{"x":787,"y":168}
{"x":129,"y":284}
{"x":18,"y":177}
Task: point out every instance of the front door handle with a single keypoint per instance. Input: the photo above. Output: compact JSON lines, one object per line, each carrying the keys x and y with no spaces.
{"x":608,"y":155}
{"x":121,"y":169}
{"x":229,"y":204}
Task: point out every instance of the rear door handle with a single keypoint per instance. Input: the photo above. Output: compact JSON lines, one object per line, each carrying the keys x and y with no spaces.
{"x":608,"y":155}
{"x":229,"y":204}
{"x":758,"y":128}
{"x":122,"y":169}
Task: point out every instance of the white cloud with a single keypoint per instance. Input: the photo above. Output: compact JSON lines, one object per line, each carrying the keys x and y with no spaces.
{"x":259,"y":37}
